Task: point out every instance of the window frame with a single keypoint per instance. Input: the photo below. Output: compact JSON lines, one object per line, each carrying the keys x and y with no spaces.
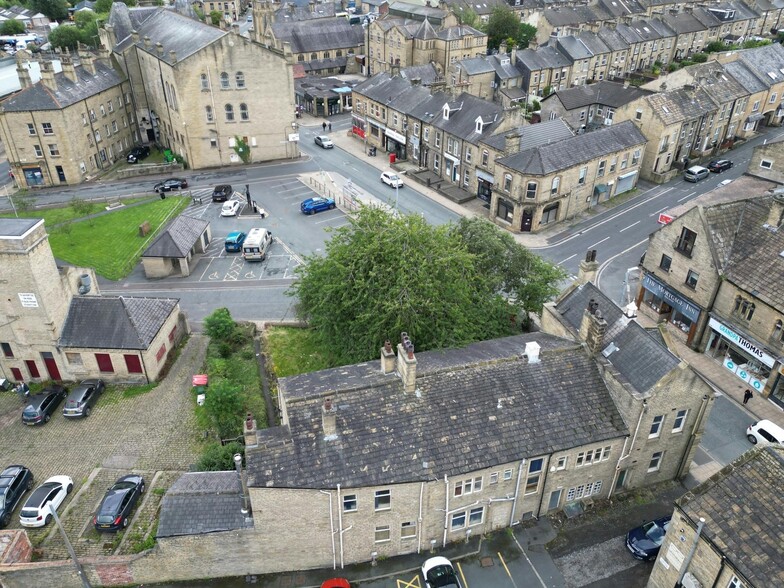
{"x":680,"y":420}
{"x":382,"y":500}
{"x":347,"y":500}
{"x":380,"y":531}
{"x":657,"y":457}
{"x":656,"y":427}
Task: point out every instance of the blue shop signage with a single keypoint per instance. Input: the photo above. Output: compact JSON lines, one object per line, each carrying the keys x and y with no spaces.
{"x":674,"y":299}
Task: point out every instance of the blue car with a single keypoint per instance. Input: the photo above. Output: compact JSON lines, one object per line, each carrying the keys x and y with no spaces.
{"x":234,"y":241}
{"x":317,"y":204}
{"x":645,"y":541}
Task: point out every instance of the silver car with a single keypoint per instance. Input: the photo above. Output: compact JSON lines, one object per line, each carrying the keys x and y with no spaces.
{"x":82,"y":399}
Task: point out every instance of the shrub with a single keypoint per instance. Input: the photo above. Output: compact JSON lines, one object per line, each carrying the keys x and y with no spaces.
{"x":217,"y":457}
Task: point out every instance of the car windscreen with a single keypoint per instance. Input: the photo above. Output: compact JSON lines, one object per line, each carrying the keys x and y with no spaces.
{"x":29,"y":513}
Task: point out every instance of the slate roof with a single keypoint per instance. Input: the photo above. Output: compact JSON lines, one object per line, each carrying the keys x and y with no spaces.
{"x":114,"y":322}
{"x":485,"y":7}
{"x":604,"y":93}
{"x":203,"y":502}
{"x":318,"y":35}
{"x":573,"y":151}
{"x":476,"y":407}
{"x":542,"y":58}
{"x":417,"y":11}
{"x":593,"y":42}
{"x":711,"y":76}
{"x":40,"y":97}
{"x":685,"y":22}
{"x":396,"y":92}
{"x":573,"y":48}
{"x":458,"y":32}
{"x":612,"y":39}
{"x":16,"y":227}
{"x":763,"y":61}
{"x":680,"y":105}
{"x":532,"y":136}
{"x":291,"y":12}
{"x":640,"y":358}
{"x":178,"y":238}
{"x":427,"y":74}
{"x":745,"y":76}
{"x":575,"y":15}
{"x":742,"y":507}
{"x":477,"y":65}
{"x":463,"y":122}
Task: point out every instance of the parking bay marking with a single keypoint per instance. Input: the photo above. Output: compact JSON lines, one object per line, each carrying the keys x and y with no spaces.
{"x":414,"y":583}
{"x":508,"y":573}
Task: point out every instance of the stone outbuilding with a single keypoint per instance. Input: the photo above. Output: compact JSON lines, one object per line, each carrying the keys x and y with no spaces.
{"x":176,"y":249}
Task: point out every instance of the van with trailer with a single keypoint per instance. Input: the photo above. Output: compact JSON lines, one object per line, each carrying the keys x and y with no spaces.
{"x":256,"y":245}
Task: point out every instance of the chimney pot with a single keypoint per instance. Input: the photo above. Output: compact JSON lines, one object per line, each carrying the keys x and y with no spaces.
{"x":329,"y":419}
{"x":173,"y":56}
{"x":406,"y":363}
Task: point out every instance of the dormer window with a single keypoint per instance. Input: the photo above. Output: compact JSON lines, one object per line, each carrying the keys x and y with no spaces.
{"x":479,"y":125}
{"x":446,"y":111}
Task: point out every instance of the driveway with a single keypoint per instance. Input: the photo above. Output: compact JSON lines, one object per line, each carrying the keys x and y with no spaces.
{"x":148,"y":433}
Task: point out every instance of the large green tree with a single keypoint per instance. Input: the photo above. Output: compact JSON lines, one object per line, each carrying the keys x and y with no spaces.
{"x":383,"y":274}
{"x":54,"y":9}
{"x":65,"y":37}
{"x":504,"y":25}
{"x":12,"y":27}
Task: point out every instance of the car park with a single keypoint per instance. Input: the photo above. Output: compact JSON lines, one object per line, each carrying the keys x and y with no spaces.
{"x":222,"y":193}
{"x":439,"y":573}
{"x":324,"y":142}
{"x":40,"y":407}
{"x":234,"y":241}
{"x":138,"y":153}
{"x":35,"y":512}
{"x":230,"y":208}
{"x":719,"y":165}
{"x":15,"y":480}
{"x":82,"y":399}
{"x":316,"y":204}
{"x":118,"y":502}
{"x":695,"y":173}
{"x":170,"y":184}
{"x":391,"y":179}
{"x":765,"y":432}
{"x":645,"y":541}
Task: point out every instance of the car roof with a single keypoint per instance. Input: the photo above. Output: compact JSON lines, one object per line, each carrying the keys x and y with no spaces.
{"x":112,"y":499}
{"x":234,"y":234}
{"x":696,"y":168}
{"x":769,"y":426}
{"x":11,"y":471}
{"x":40,"y":493}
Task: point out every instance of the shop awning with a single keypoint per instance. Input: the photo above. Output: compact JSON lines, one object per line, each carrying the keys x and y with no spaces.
{"x":671,"y":297}
{"x":755,"y":117}
{"x":485,"y":176}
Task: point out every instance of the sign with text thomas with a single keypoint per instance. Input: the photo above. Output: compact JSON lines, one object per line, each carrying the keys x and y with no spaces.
{"x":665,"y":219}
{"x":751,"y":348}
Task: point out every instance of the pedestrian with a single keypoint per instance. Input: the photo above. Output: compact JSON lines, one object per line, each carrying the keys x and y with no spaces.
{"x":323,"y":126}
{"x":330,"y":127}
{"x":747,"y":395}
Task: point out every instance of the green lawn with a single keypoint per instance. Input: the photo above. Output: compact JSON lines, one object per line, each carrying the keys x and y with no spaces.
{"x":61,"y":214}
{"x":294,"y":351}
{"x":111,"y":243}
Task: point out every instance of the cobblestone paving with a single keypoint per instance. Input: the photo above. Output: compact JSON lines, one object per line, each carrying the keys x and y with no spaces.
{"x":147,"y":433}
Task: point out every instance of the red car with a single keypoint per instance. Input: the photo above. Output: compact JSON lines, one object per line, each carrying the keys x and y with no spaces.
{"x":336,"y":583}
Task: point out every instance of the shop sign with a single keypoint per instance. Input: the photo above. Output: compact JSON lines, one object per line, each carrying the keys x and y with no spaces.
{"x":655,"y":287}
{"x":28,"y":300}
{"x":751,"y":348}
{"x":741,"y":372}
{"x":395,"y":136}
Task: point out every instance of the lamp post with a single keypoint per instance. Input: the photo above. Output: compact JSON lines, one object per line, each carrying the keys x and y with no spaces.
{"x":397,"y":189}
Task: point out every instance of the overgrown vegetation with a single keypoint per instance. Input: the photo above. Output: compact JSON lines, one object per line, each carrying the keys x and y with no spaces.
{"x":293,"y":350}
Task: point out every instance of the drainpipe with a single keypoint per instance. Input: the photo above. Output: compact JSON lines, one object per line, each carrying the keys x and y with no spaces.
{"x":689,"y":557}
{"x":340,"y":525}
{"x":636,"y":430}
{"x":517,"y":492}
{"x":331,"y":528}
{"x":419,"y":520}
{"x":446,"y":508}
{"x":544,"y":485}
{"x":700,"y":416}
{"x":722,"y":564}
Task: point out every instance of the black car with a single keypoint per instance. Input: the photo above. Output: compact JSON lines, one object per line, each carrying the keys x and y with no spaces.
{"x":138,"y":153}
{"x":222,"y":193}
{"x":15,"y":480}
{"x":39,"y":408}
{"x":170,"y":184}
{"x":118,"y":502}
{"x":82,"y":399}
{"x":645,"y":541}
{"x":719,"y":165}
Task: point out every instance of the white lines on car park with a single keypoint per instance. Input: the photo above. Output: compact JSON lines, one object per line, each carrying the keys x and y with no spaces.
{"x":596,"y":562}
{"x":629,"y":227}
{"x":234,"y":269}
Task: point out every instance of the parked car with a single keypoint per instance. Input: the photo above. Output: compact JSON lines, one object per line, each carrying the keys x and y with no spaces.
{"x":719,"y":165}
{"x":645,"y":541}
{"x":316,"y":204}
{"x":439,"y":573}
{"x":335,"y":583}
{"x":222,"y":193}
{"x":41,"y":406}
{"x":15,"y":480}
{"x":82,"y":399}
{"x":391,"y":179}
{"x":765,"y":432}
{"x":170,"y":184}
{"x":35,"y":512}
{"x":324,"y":142}
{"x":234,"y":241}
{"x":118,"y":502}
{"x":138,"y":153}
{"x":230,"y":208}
{"x":695,"y":173}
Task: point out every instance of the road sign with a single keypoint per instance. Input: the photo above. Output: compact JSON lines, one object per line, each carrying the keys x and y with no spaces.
{"x":665,"y":219}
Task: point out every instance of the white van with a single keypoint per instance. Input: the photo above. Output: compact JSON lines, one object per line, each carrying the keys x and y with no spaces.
{"x":765,"y":432}
{"x":256,"y":244}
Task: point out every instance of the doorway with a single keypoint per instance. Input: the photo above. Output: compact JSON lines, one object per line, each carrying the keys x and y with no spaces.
{"x":51,"y":366}
{"x":528,"y":219}
{"x":621,"y":482}
{"x":555,"y":499}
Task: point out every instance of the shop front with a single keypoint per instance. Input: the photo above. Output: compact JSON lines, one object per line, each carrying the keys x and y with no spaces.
{"x":669,"y":305}
{"x":395,"y":143}
{"x":777,"y":390}
{"x":33,"y":176}
{"x":484,"y":185}
{"x":740,"y":354}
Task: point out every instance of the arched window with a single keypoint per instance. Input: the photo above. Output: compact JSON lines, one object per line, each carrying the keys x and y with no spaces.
{"x":229,"y":113}
{"x":244,"y":112}
{"x":205,"y":82}
{"x":326,"y":54}
{"x":208,"y":113}
{"x":313,"y":56}
{"x":300,"y":57}
{"x":173,"y":97}
{"x":778,"y":332}
{"x":224,"y":81}
{"x":239,"y":78}
{"x":555,"y":185}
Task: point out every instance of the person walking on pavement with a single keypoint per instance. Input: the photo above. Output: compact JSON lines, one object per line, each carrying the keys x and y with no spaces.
{"x":330,"y":127}
{"x":747,"y":395}
{"x":323,"y":126}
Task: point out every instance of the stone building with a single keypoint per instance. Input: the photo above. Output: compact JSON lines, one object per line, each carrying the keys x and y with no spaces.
{"x":213,"y":97}
{"x":732,"y":523}
{"x":230,"y":10}
{"x":57,"y":326}
{"x":70,"y":125}
{"x":178,"y":248}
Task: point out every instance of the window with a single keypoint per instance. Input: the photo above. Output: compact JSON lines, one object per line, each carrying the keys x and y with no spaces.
{"x":239,"y":79}
{"x":350,"y":503}
{"x":625,"y":161}
{"x":602,"y":166}
{"x":507,"y":183}
{"x":636,"y":157}
{"x":84,"y":120}
{"x":583,"y":173}
{"x":53,"y":150}
{"x":7,"y":351}
{"x":494,"y":475}
{"x":205,"y":82}
{"x":383,"y":500}
{"x":38,"y":151}
{"x":382,"y":533}
{"x":229,"y":113}
{"x":685,"y":243}
{"x":31,"y":128}
{"x":555,"y":185}
{"x":476,"y":516}
{"x":408,"y":530}
{"x":534,"y":473}
{"x":605,"y":452}
{"x":213,"y":143}
{"x":735,"y":583}
{"x":638,"y":115}
{"x":104,"y":362}
{"x":778,"y":332}
{"x":656,"y":426}
{"x":655,"y":463}
{"x":458,"y":521}
{"x":680,"y":421}
{"x":427,"y":134}
{"x":161,"y":353}
{"x":114,"y":126}
{"x":665,"y":263}
{"x":691,"y":279}
{"x":103,"y":110}
{"x":773,"y":97}
{"x":110,"y":106}
{"x":744,"y":308}
{"x":485,"y":157}
{"x":92,"y":115}
{"x":561,"y":463}
{"x":468,"y":154}
{"x":530,"y":190}
{"x":224,"y":77}
{"x":582,"y":115}
{"x":244,"y":112}
{"x":508,"y":474}
{"x":97,"y":135}
{"x":756,"y":106}
{"x":438,"y":139}
{"x":613,"y":164}
{"x":208,"y":114}
{"x":766,"y":164}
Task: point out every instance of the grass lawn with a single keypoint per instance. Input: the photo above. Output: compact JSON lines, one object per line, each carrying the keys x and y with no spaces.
{"x":111,"y":243}
{"x":61,"y":214}
{"x":294,"y":351}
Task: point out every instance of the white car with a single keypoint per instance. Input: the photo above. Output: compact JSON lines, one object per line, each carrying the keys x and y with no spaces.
{"x":440,"y":573}
{"x":391,"y":179}
{"x":35,"y":512}
{"x":230,"y":208}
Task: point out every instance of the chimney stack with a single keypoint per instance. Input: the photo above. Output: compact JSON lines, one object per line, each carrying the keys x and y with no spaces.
{"x":87,"y":61}
{"x":329,"y":419}
{"x":159,"y":48}
{"x":249,"y":430}
{"x":776,"y":214}
{"x":172,"y":56}
{"x":387,"y":358}
{"x":22,"y":69}
{"x":593,"y":327}
{"x":135,"y":36}
{"x":406,"y":363}
{"x":68,"y":67}
{"x":147,"y":42}
{"x":512,"y":142}
{"x":47,"y":76}
{"x":589,"y":268}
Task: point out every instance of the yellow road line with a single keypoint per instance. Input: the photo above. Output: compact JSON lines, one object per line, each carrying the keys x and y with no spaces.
{"x":508,"y":573}
{"x":462,"y":576}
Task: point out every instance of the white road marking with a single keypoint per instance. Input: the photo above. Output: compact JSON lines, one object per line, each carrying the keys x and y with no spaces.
{"x":687,"y":196}
{"x":607,"y":263}
{"x":567,"y":259}
{"x":598,"y":242}
{"x":629,"y":227}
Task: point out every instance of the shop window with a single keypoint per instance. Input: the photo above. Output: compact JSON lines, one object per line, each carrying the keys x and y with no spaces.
{"x":665,"y":262}
{"x":743,"y":308}
{"x":691,"y":279}
{"x":685,"y":243}
{"x":505,"y":210}
{"x":550,"y":214}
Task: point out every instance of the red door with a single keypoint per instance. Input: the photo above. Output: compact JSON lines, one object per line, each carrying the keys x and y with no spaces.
{"x":32,"y":368}
{"x":17,"y":374}
{"x":133,"y":363}
{"x":51,"y":366}
{"x":104,"y":362}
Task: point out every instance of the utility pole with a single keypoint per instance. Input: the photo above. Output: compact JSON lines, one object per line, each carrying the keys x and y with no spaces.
{"x":69,"y":547}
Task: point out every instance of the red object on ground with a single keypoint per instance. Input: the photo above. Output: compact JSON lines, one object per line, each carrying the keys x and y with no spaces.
{"x":200,"y":380}
{"x":336,"y":583}
{"x":392,"y":158}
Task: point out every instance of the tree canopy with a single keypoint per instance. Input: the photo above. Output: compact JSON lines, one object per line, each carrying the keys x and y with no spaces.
{"x":54,"y":9}
{"x":66,"y":37}
{"x":445,"y":286}
{"x":504,"y":26}
{"x":12,"y":27}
